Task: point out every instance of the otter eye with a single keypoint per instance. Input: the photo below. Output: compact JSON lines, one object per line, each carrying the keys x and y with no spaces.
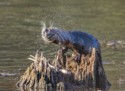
{"x":47,"y":30}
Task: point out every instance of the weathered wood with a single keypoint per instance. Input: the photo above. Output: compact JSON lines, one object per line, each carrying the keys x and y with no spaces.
{"x":65,"y":73}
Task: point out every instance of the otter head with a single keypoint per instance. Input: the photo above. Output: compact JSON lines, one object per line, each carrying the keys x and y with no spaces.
{"x":48,"y":34}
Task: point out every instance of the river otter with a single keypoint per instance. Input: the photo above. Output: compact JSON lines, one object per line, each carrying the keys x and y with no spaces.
{"x":79,"y":42}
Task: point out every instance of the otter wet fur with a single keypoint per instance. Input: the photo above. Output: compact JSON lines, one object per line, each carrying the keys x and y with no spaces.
{"x":79,"y":42}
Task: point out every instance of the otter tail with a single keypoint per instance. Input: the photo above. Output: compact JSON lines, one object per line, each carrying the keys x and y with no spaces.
{"x":100,"y":77}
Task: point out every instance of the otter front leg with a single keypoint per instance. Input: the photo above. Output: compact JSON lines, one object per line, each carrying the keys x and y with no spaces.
{"x":64,"y":50}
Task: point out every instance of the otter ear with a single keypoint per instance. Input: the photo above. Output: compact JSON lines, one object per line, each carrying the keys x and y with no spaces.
{"x":47,"y":30}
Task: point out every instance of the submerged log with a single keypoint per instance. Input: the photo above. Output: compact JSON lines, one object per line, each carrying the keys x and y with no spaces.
{"x":65,"y":73}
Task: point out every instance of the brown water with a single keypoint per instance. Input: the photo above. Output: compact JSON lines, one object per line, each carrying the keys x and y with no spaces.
{"x":20,"y":33}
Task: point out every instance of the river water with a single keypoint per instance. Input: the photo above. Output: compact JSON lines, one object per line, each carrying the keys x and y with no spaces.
{"x":20,"y":33}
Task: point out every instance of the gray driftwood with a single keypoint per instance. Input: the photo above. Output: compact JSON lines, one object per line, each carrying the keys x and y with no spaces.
{"x":64,"y":73}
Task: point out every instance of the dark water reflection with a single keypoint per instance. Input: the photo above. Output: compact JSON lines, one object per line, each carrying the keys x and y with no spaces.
{"x":20,"y":33}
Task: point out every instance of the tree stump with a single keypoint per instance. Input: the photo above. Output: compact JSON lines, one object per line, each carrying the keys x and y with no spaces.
{"x":65,"y":73}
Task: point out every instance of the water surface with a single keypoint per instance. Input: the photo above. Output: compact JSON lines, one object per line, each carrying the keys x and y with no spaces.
{"x":20,"y":33}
